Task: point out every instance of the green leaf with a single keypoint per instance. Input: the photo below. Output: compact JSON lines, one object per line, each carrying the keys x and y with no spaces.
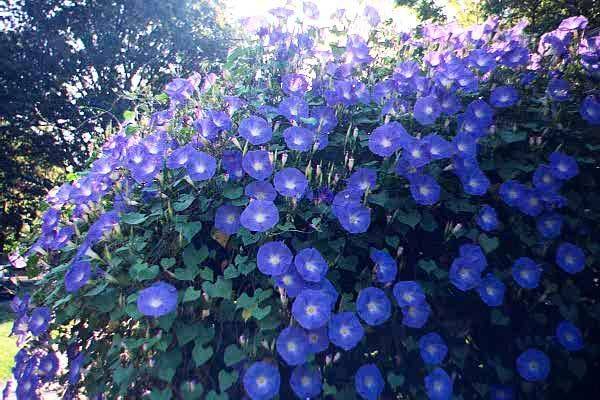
{"x":165,"y":394}
{"x":212,"y":395}
{"x":191,"y":390}
{"x":488,"y":244}
{"x":246,"y":268}
{"x":193,"y":257}
{"x":191,"y":294}
{"x":134,"y":218}
{"x":220,"y":289}
{"x":578,"y":367}
{"x":201,"y":354}
{"x":227,"y":379}
{"x":509,"y":136}
{"x":498,"y":318}
{"x":428,"y":266}
{"x":189,"y":229}
{"x":411,"y":218}
{"x":167,"y":263}
{"x":186,"y":333}
{"x":183,"y":202}
{"x":129,"y":115}
{"x":395,"y":380}
{"x":233,"y":192}
{"x":233,"y":355}
{"x":142,"y":272}
{"x":231,"y":272}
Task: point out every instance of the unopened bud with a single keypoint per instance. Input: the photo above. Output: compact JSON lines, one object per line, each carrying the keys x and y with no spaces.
{"x":284,"y":158}
{"x":350,"y":164}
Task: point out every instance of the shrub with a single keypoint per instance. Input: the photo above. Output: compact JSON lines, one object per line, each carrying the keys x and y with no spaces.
{"x":409,"y":214}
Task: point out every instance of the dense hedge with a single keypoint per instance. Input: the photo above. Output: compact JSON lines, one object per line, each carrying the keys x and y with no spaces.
{"x":384,"y":216}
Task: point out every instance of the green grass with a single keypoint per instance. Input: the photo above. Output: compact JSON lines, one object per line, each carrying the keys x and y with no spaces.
{"x":8,"y":347}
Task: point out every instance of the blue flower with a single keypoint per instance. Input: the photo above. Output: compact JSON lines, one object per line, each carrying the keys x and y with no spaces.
{"x":257,"y":164}
{"x":261,"y":381}
{"x":311,"y":265}
{"x":290,"y":182}
{"x":570,"y":258}
{"x":344,"y":199}
{"x":274,"y":258}
{"x":362,"y":179}
{"x":533,"y":365}
{"x":450,"y":103}
{"x":563,"y":166}
{"x":558,"y":89}
{"x":475,"y":182}
{"x":386,"y":267}
{"x":491,"y":290}
{"x":526,"y":273}
{"x":504,"y":96}
{"x":369,"y":382}
{"x":255,"y":130}
{"x":39,"y":320}
{"x":291,"y":281}
{"x":373,"y":306}
{"x":179,"y":157}
{"x":415,"y":316}
{"x":512,"y":192}
{"x":179,"y":90}
{"x":487,"y":219}
{"x":387,"y":139}
{"x":318,"y":340}
{"x":292,"y":345}
{"x":77,"y":276}
{"x":481,"y":112}
{"x":201,"y":166}
{"x":143,"y":166}
{"x":306,"y":382}
{"x":549,"y":225}
{"x":433,"y":349}
{"x":416,"y":153}
{"x":427,"y":109}
{"x":75,"y":366}
{"x":590,"y":109}
{"x":298,"y":138}
{"x":408,"y":293}
{"x":474,"y":255}
{"x":498,"y":392}
{"x":531,"y":202}
{"x":438,"y":385}
{"x":227,"y":219}
{"x":293,"y":108}
{"x":544,"y":180}
{"x":206,"y":128}
{"x":312,"y":308}
{"x":569,"y":336}
{"x":232,"y":163}
{"x":325,"y":286}
{"x":355,"y":218}
{"x":464,"y":275}
{"x":259,"y":216}
{"x":157,"y":300}
{"x":424,"y":189}
{"x":260,"y":191}
{"x":345,"y":330}
{"x":439,"y":148}
{"x":48,"y":366}
{"x":326,"y":119}
{"x":294,"y":84}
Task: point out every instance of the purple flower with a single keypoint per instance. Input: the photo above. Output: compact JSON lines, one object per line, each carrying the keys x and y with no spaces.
{"x":157,"y":300}
{"x":558,"y":89}
{"x":544,"y":180}
{"x":311,"y":265}
{"x":143,"y":166}
{"x":416,"y":153}
{"x":439,"y":148}
{"x":526,"y":273}
{"x":299,"y":139}
{"x":464,"y":275}
{"x":355,"y":218}
{"x":344,"y":199}
{"x":306,"y":382}
{"x":292,"y":345}
{"x":373,"y":306}
{"x":259,"y":216}
{"x":312,"y":309}
{"x":475,"y":182}
{"x":220,"y":119}
{"x":293,"y":108}
{"x":260,"y":191}
{"x":533,"y":365}
{"x":318,"y":340}
{"x":438,"y":385}
{"x":473,"y":255}
{"x":179,"y":157}
{"x":387,"y":139}
{"x":201,"y":166}
{"x":531,"y":202}
{"x":256,"y":130}
{"x":294,"y":84}
{"x":590,"y":109}
{"x":465,"y":145}
{"x":482,"y":60}
{"x":504,"y":96}
{"x":206,"y":129}
{"x":408,"y":293}
{"x":424,"y":189}
{"x":372,"y":15}
{"x":569,"y":336}
{"x":232,"y":163}
{"x":487,"y":219}
{"x":432,"y":348}
{"x":179,"y":90}
{"x":491,"y":290}
{"x":481,"y":112}
{"x":39,"y":320}
{"x":290,"y":182}
{"x":415,"y":316}
{"x":368,"y":382}
{"x":48,"y":366}
{"x":563,"y":166}
{"x":385,"y":265}
{"x":549,"y":225}
{"x":345,"y":330}
{"x":450,"y":103}
{"x":362,"y":179}
{"x":274,"y":258}
{"x":291,"y":281}
{"x":572,"y":23}
{"x":427,"y":109}
{"x":512,"y":192}
{"x":261,"y":381}
{"x":257,"y":164}
{"x":326,"y":119}
{"x":570,"y":258}
{"x":227,"y":219}
{"x":77,"y":276}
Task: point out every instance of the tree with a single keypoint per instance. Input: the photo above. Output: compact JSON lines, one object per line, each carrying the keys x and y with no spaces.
{"x":64,"y":66}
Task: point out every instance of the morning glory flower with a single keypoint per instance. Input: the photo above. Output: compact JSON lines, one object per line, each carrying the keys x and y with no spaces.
{"x":345,"y":330}
{"x":292,"y":345}
{"x":201,"y":166}
{"x":590,"y":109}
{"x":344,"y":199}
{"x":526,"y":273}
{"x":432,"y":348}
{"x":259,"y":216}
{"x":294,"y":84}
{"x":424,"y":189}
{"x":491,"y":290}
{"x":569,"y":336}
{"x":416,"y":153}
{"x":257,"y":164}
{"x":261,"y":381}
{"x":558,"y":89}
{"x":157,"y":300}
{"x":533,"y":365}
{"x":274,"y":258}
{"x":293,"y":108}
{"x":438,"y":385}
{"x":326,"y":119}
{"x":312,"y":308}
{"x":464,"y":275}
{"x":504,"y":96}
{"x":306,"y":381}
{"x":260,"y":190}
{"x":291,"y":281}
{"x":77,"y":276}
{"x":512,"y":192}
{"x":487,"y":219}
{"x":206,"y":129}
{"x":465,"y":145}
{"x":325,"y":286}
{"x":179,"y":90}
{"x":290,"y":182}
{"x":549,"y":225}
{"x":231,"y":160}
{"x":498,"y":392}
{"x":483,"y":60}
{"x":531,"y":202}
{"x":27,"y":387}
{"x":386,"y":267}
{"x":439,"y":148}
{"x":298,"y":138}
{"x":143,"y":166}
{"x":355,"y":218}
{"x":48,"y":366}
{"x":362,"y":179}
{"x":563,"y":166}
{"x":369,"y":382}
{"x":75,"y":366}
{"x":227,"y":219}
{"x":179,"y":157}
{"x":480,"y":112}
{"x":387,"y":139}
{"x":570,"y":258}
{"x":427,"y":109}
{"x":373,"y":306}
{"x":543,"y":179}
{"x":39,"y":320}
{"x":415,"y":316}
{"x":475,"y":182}
{"x":256,"y":130}
{"x":408,"y":293}
{"x":318,"y":340}
{"x":311,"y":265}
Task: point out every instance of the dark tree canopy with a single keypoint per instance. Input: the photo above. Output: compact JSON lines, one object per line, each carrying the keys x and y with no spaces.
{"x":66,"y":63}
